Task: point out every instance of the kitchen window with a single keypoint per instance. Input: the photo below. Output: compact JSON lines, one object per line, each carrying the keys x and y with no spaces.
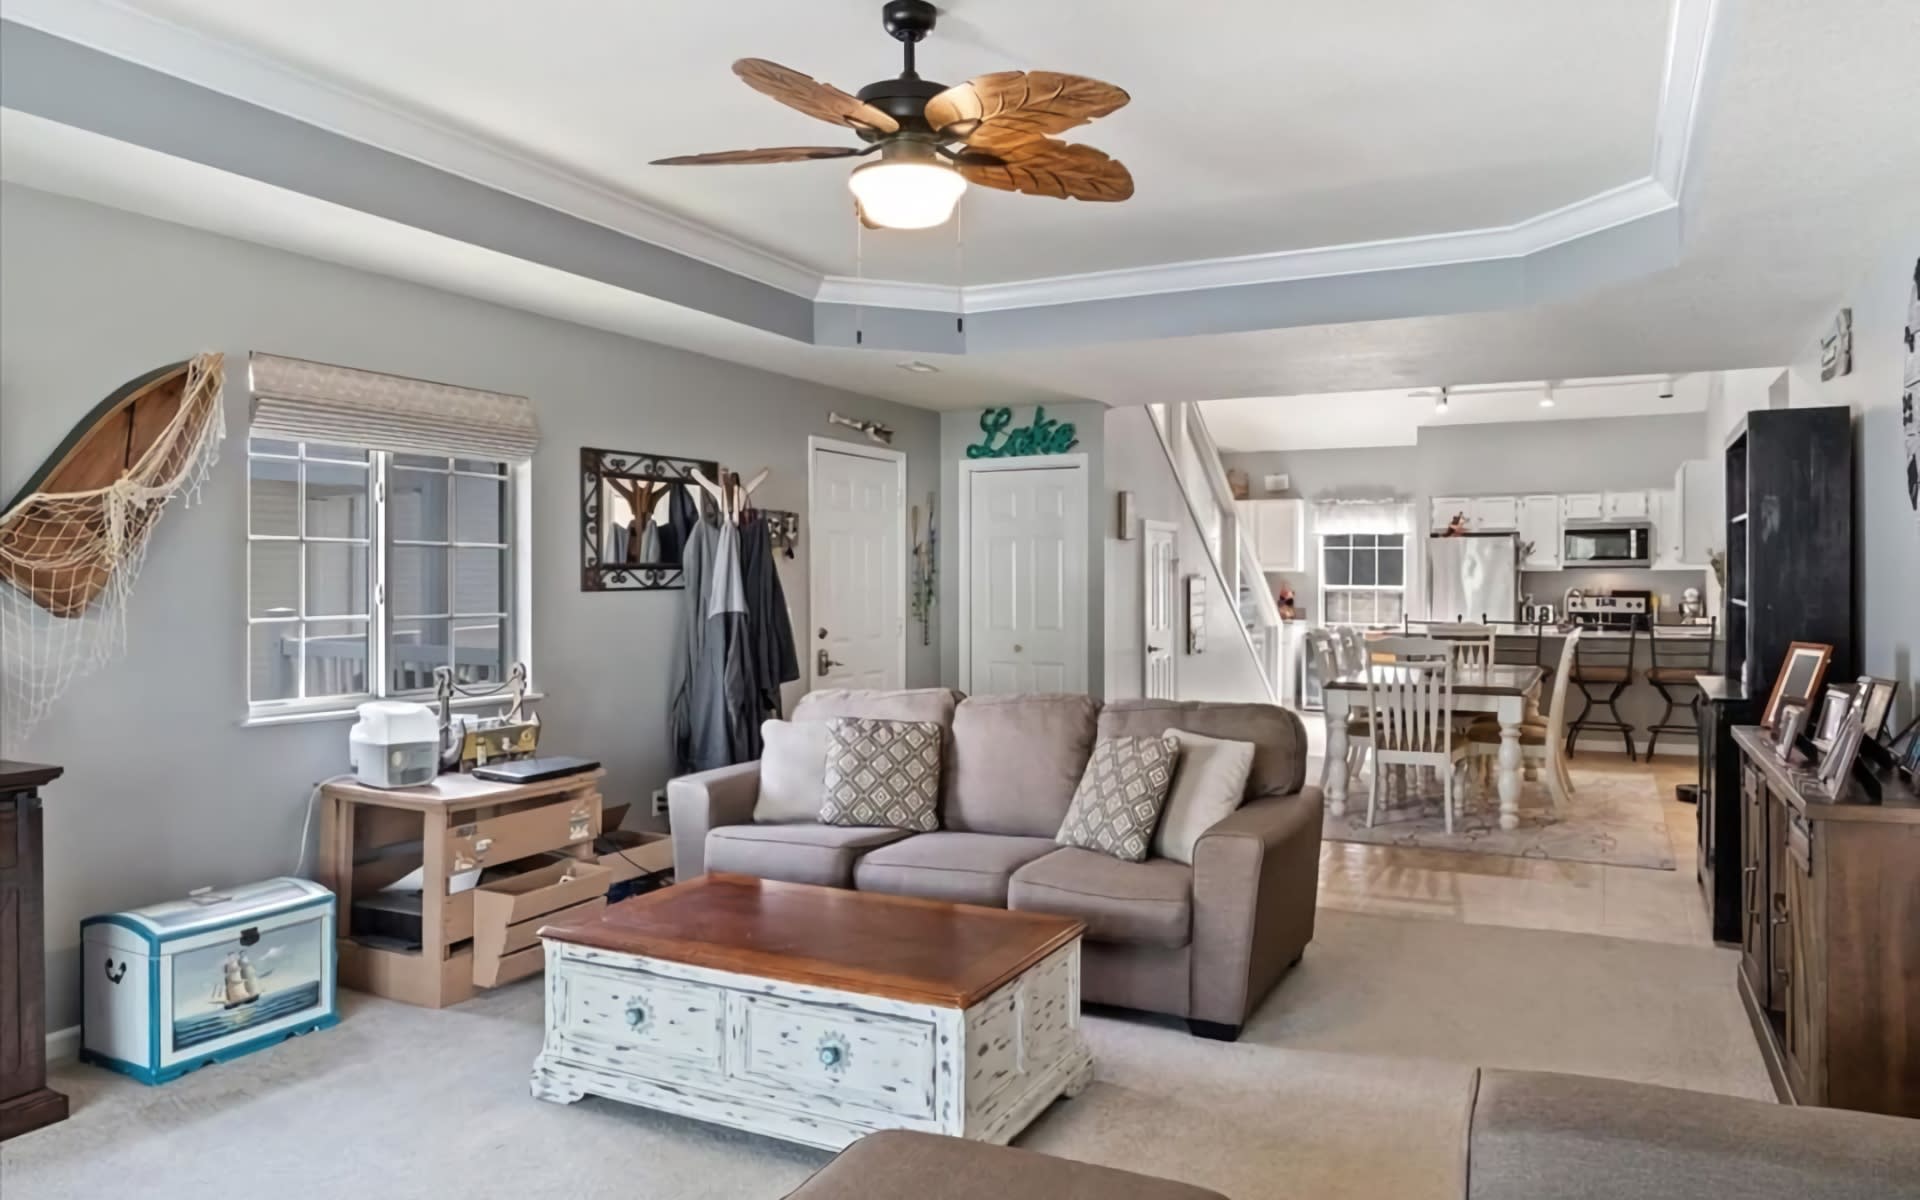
{"x":368,"y":570}
{"x":1363,"y":578}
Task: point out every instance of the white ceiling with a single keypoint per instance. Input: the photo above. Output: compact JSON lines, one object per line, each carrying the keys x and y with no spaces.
{"x":1803,"y":174}
{"x":1342,"y":420}
{"x":1254,"y":126}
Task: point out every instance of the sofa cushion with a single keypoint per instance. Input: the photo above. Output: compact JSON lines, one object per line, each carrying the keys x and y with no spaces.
{"x":1015,"y":762}
{"x":822,"y":854}
{"x":962,"y":868}
{"x":793,"y":771}
{"x":912,"y":704}
{"x":1279,"y":739}
{"x":1209,"y":781}
{"x":1146,"y":903}
{"x":882,"y":773}
{"x":904,"y":1165}
{"x":1118,"y":802}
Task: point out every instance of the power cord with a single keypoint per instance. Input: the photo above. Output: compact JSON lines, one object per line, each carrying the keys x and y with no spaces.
{"x":306,"y":826}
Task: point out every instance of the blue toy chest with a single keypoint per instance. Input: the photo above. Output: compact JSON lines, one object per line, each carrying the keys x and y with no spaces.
{"x":174,"y":986}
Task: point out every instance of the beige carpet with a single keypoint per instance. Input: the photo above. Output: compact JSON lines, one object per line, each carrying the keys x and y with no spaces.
{"x":1350,"y":1082}
{"x":1616,"y":818}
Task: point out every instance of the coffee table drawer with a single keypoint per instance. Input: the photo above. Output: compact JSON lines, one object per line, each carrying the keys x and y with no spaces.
{"x":633,"y":1011}
{"x":879,"y":1062}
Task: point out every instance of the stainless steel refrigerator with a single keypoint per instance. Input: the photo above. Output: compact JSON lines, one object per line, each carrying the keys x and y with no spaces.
{"x":1474,"y":577}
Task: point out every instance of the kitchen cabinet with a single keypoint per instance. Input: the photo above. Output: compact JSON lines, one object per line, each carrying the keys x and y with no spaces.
{"x":1539,"y":523}
{"x":1493,"y":514}
{"x":1697,"y":505}
{"x":1583,"y":506}
{"x":1625,"y":506}
{"x":1667,"y":530}
{"x":1276,"y":528}
{"x":1444,"y":510}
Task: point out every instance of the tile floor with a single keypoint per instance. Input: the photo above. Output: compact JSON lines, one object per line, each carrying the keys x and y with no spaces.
{"x":1485,"y":889}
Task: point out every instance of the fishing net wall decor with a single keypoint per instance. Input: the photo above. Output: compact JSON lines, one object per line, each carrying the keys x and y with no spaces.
{"x":72,"y":543}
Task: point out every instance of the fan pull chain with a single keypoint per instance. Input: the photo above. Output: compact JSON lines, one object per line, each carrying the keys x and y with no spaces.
{"x":960,"y":263}
{"x":859,"y":275}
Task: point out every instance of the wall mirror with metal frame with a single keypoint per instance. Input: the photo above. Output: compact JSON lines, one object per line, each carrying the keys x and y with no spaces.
{"x":636,"y":511}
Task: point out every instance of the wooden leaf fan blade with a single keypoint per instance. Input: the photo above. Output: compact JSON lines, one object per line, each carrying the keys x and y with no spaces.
{"x":812,"y":97}
{"x":773,"y":154}
{"x":1014,"y":105}
{"x":1045,"y":167}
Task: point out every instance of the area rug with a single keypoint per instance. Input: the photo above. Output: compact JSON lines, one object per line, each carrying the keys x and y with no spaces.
{"x":1350,"y":1082}
{"x":1616,"y":819}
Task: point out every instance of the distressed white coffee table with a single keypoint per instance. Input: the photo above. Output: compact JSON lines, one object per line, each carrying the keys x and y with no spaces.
{"x":814,"y":1014}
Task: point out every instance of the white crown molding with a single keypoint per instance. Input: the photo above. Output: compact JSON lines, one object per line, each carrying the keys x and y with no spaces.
{"x":164,"y":46}
{"x":161,"y":45}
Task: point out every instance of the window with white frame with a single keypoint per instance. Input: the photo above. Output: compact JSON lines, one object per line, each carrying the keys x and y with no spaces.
{"x":1363,"y":578}
{"x":368,"y":570}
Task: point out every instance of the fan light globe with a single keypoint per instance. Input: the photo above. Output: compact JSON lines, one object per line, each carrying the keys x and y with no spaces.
{"x":906,"y":193}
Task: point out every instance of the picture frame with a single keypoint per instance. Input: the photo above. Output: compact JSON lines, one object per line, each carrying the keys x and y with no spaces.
{"x":1876,"y":703}
{"x":1838,"y":763}
{"x":1834,"y":707}
{"x":1792,"y":719}
{"x":1799,"y":679}
{"x":1196,"y":586}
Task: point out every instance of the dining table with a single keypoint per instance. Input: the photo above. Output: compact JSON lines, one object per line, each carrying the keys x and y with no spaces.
{"x":1500,"y":690}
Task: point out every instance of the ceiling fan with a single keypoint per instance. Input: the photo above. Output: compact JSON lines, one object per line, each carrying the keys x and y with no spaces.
{"x":994,"y":130}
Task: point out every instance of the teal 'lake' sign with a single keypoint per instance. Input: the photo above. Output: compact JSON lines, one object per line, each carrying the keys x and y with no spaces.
{"x":1041,"y":437}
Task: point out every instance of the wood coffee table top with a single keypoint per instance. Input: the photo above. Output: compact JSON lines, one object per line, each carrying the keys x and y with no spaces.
{"x":900,"y":947}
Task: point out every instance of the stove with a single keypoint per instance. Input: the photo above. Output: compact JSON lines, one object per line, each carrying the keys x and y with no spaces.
{"x":1614,"y":610}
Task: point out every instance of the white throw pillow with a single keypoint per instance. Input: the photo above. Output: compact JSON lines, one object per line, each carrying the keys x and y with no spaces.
{"x":793,"y":772}
{"x":1208,"y":784}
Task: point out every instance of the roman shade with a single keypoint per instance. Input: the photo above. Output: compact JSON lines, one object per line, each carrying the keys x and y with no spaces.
{"x":316,"y":402}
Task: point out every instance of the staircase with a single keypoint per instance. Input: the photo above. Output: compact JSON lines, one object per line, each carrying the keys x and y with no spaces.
{"x":1195,"y":460}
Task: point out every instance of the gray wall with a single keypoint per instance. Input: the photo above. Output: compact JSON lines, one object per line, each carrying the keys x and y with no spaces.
{"x":958,"y":430}
{"x":1496,"y":459}
{"x":1886,"y":529}
{"x":165,"y":791}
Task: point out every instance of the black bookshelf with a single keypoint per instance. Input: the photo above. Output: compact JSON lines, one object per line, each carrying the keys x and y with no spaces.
{"x":1789,"y":578}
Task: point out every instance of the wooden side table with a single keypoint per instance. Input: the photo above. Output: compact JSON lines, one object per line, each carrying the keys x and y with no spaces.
{"x":372,"y":837}
{"x":26,"y":1103}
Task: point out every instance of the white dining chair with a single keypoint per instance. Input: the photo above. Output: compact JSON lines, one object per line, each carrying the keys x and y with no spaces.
{"x":1542,"y":744}
{"x":1410,"y":706}
{"x":1324,"y":645}
{"x":1473,"y":645}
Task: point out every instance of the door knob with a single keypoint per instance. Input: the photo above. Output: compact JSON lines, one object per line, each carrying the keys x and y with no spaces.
{"x":1153,"y":649}
{"x":824,"y":662}
{"x":822,"y":632}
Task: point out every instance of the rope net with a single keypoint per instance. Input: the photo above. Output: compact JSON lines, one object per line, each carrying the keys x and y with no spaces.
{"x":69,"y":559}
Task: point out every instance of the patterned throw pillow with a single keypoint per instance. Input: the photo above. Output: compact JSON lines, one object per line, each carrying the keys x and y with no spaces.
{"x":1120,"y":796}
{"x":883,"y":773}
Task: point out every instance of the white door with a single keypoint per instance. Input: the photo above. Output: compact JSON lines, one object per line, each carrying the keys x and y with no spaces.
{"x":857,"y":569}
{"x":1159,"y":599}
{"x":1026,"y":580}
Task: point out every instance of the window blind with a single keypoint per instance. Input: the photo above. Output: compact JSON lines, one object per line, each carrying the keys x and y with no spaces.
{"x":1362,"y":516}
{"x":316,"y":402}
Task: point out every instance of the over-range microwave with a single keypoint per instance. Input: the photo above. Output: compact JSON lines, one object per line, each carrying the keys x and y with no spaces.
{"x":1608,"y":546}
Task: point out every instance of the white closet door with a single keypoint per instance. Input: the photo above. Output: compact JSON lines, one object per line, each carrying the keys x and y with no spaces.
{"x":1159,"y":602}
{"x":1027,"y":580}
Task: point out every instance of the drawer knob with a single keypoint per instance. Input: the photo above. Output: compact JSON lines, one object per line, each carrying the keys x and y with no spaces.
{"x":636,"y":1015}
{"x":833,"y":1052}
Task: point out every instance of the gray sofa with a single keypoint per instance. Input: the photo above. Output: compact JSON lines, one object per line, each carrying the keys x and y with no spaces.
{"x":1206,"y":942}
{"x":1531,"y":1136}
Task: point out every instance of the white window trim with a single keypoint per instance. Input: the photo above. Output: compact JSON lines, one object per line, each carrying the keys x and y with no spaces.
{"x":519,"y":480}
{"x":1320,"y":575}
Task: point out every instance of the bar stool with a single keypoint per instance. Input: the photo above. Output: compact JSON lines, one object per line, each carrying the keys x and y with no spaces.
{"x":1602,"y":669}
{"x":1677,"y":661}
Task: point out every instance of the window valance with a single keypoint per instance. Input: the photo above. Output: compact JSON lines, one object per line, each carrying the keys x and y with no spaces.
{"x":317,"y":402}
{"x":1362,"y":516}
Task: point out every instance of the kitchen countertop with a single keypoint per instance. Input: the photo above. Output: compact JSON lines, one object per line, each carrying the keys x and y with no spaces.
{"x":1514,"y":629}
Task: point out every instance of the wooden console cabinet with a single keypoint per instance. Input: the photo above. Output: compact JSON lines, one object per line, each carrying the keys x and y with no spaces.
{"x":1830,"y":933}
{"x":26,"y":1103}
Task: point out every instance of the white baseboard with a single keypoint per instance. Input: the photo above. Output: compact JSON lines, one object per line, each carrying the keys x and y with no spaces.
{"x":1672,"y":745}
{"x":63,"y":1045}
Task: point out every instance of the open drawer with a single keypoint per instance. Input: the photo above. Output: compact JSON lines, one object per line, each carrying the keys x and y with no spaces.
{"x":508,"y":914}
{"x":502,"y":839}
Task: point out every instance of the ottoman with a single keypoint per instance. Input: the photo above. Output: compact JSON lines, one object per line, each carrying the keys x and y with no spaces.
{"x":899,"y":1165}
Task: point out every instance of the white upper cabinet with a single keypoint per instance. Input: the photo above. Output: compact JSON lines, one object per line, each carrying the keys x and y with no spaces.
{"x":1445,"y":508}
{"x":1583,"y":506}
{"x":1667,"y":550}
{"x":1540,"y":530}
{"x":1276,"y":528}
{"x":1698,"y":506}
{"x":1627,"y":506}
{"x":1493,"y":514}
